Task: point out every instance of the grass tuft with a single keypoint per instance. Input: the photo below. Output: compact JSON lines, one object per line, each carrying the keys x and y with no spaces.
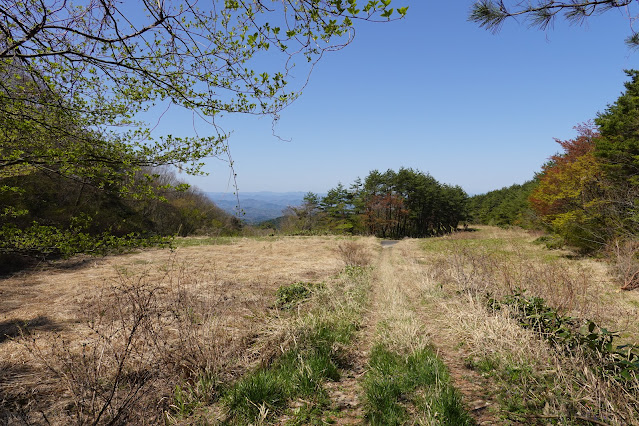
{"x":289,"y":296}
{"x":264,"y":391}
{"x":392,"y":383}
{"x":314,"y":356}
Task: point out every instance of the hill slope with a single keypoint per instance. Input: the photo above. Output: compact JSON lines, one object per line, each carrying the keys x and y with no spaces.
{"x":255,"y":207}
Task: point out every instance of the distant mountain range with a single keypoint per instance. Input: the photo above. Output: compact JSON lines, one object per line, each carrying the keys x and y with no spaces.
{"x":256,"y":207}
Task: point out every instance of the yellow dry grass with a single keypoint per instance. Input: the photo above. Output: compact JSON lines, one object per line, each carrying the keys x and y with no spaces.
{"x":230,"y":287}
{"x":465,"y":268}
{"x":214,"y":309}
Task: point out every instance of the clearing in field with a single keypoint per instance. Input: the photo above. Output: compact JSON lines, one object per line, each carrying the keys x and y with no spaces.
{"x":314,"y":330}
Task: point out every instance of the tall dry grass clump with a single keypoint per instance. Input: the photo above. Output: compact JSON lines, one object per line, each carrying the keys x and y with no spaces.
{"x":354,"y":253}
{"x":480,"y":270}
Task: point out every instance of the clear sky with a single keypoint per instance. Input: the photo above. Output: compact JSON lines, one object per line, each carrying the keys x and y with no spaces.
{"x":436,"y":93}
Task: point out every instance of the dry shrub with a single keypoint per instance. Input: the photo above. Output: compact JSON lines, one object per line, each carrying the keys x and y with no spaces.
{"x":566,"y":287}
{"x":145,"y":336}
{"x":625,"y":261}
{"x":354,"y":253}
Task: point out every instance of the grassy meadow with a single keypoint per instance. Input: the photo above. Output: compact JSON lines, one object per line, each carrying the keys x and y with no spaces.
{"x":478,"y":327}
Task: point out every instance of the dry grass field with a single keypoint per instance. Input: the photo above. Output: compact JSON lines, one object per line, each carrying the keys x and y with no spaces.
{"x":311,"y":330}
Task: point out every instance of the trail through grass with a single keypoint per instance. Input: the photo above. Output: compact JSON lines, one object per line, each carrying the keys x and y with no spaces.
{"x":294,"y":331}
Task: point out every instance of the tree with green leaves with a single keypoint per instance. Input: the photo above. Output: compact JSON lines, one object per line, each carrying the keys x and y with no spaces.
{"x":76,"y":75}
{"x":410,"y":203}
{"x":617,"y":150}
{"x":570,"y":197}
{"x":304,"y":218}
{"x":338,"y":208}
{"x":507,"y":206}
{"x":491,"y":14}
{"x":618,"y":145}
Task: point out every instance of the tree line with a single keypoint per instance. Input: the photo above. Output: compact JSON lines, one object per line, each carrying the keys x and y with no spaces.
{"x":406,"y":203}
{"x":588,"y":192}
{"x":508,"y":206}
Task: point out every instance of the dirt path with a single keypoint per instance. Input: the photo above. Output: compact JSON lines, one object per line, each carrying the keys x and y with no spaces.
{"x":422,"y":290}
{"x":400,"y":315}
{"x":347,"y":393}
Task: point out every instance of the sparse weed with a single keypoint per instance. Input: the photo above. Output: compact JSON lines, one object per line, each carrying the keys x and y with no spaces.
{"x":625,"y":261}
{"x":187,"y":398}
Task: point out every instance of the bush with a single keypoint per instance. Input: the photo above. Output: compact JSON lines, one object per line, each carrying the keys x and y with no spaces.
{"x":354,"y":254}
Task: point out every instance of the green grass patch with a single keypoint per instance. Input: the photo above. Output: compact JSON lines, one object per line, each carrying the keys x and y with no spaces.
{"x":551,"y":242}
{"x":484,"y":245}
{"x":419,"y":380}
{"x":264,"y":391}
{"x":289,"y":296}
{"x":317,"y":356}
{"x":203,"y":390}
{"x":503,"y":248}
{"x":299,"y":372}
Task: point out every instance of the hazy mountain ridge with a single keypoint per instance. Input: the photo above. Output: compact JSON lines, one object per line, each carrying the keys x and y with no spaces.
{"x":255,"y":207}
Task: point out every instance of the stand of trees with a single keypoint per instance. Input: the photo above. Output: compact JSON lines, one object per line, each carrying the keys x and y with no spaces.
{"x":406,"y":203}
{"x":45,"y":215}
{"x":589,"y":192}
{"x":504,"y":207}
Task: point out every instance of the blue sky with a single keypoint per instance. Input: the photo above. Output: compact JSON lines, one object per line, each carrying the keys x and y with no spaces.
{"x":436,"y":93}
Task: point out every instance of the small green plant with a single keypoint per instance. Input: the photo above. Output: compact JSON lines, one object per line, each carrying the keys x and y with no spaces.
{"x":201,"y":391}
{"x":263,"y":391}
{"x":291,"y":295}
{"x":299,"y":372}
{"x":552,"y":242}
